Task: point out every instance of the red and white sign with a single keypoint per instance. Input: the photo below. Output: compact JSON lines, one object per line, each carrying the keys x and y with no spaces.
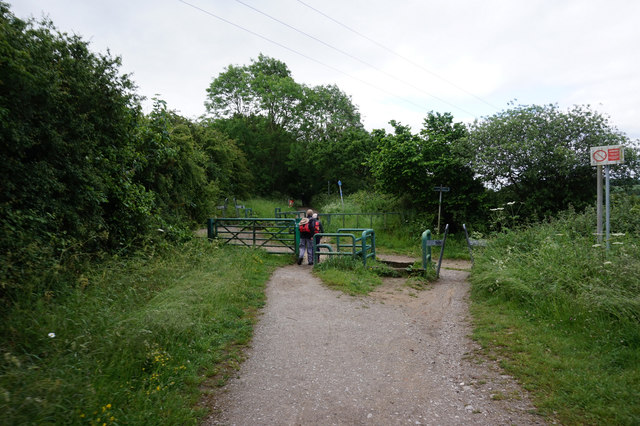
{"x":611,"y":154}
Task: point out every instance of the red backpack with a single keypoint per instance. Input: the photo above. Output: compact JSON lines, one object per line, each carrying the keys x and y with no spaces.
{"x":306,"y":226}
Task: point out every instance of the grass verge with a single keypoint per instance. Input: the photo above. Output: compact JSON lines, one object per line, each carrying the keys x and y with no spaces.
{"x":350,"y":275}
{"x":134,"y":339}
{"x":563,"y":316}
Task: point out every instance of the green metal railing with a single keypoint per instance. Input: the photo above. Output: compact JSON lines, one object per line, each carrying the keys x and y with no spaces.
{"x":269,"y":233}
{"x":329,"y":219}
{"x":363,"y":246}
{"x":248,"y":211}
{"x":472,"y":242}
{"x":427,"y":243}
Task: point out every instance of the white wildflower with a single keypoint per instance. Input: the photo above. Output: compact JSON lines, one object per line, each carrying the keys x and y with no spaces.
{"x":510,"y":203}
{"x":51,"y":335}
{"x":597,"y":245}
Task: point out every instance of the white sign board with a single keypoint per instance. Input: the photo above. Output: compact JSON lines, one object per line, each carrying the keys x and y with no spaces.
{"x":603,"y":155}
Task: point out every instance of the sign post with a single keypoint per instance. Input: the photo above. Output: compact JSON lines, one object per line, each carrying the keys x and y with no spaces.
{"x":341,"y":200}
{"x":440,"y":189}
{"x":599,"y":204}
{"x":604,"y":156}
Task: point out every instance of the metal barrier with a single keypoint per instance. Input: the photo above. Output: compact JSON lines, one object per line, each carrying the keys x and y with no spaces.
{"x":472,"y":243}
{"x":248,"y":211}
{"x":276,"y":234}
{"x":427,"y":243}
{"x":329,"y":218}
{"x":366,"y":249}
{"x":279,"y":213}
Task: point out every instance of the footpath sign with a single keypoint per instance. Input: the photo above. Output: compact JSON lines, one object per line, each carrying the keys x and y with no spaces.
{"x":440,"y":189}
{"x":604,"y":156}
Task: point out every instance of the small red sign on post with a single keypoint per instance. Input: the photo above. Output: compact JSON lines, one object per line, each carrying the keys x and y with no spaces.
{"x":603,"y":155}
{"x":613,"y":154}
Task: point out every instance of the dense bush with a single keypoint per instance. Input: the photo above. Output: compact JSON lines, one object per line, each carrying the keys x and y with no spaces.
{"x":67,"y":125}
{"x":83,"y":171}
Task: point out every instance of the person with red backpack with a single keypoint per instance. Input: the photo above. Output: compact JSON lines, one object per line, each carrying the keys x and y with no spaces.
{"x":307,"y":228}
{"x":319,"y":229}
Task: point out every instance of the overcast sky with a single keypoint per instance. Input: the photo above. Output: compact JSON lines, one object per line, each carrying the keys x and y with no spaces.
{"x":397,"y":60}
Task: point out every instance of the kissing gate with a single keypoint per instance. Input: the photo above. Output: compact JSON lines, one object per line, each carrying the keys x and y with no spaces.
{"x":281,"y":235}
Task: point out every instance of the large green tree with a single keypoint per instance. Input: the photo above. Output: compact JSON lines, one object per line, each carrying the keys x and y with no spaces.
{"x":285,"y":128}
{"x":539,"y":155}
{"x":411,"y":165}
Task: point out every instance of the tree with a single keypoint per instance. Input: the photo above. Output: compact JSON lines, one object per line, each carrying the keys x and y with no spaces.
{"x":284,"y":127}
{"x":331,"y":143}
{"x":174,"y":168}
{"x":342,"y":158}
{"x":411,"y":165}
{"x":264,"y":88}
{"x":227,"y":165}
{"x":539,"y":155}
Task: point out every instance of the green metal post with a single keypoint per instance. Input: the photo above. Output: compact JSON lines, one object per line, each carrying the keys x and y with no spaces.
{"x":373,"y":243}
{"x":426,"y":250}
{"x":297,"y":236}
{"x":364,"y":248}
{"x":210,"y":233}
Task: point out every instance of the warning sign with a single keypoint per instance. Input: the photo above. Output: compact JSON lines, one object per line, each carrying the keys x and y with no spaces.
{"x":611,"y":154}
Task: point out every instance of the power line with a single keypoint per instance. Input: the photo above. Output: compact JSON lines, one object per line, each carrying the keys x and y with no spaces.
{"x":300,"y":53}
{"x":355,"y":58}
{"x":397,"y":54}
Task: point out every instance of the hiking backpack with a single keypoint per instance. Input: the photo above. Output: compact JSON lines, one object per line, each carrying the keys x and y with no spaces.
{"x":306,"y":226}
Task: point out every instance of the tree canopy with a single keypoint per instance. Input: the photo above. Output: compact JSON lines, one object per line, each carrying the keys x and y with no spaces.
{"x":411,"y":165}
{"x":539,"y":155}
{"x":286,"y":128}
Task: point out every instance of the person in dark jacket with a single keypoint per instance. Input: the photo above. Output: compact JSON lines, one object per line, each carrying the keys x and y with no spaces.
{"x":318,"y":228}
{"x":307,"y":229}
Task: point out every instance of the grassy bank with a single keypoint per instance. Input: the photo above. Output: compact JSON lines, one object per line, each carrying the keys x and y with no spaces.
{"x":563,"y":316}
{"x":134,"y":339}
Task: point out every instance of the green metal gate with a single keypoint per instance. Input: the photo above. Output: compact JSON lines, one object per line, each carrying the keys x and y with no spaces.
{"x":276,"y":235}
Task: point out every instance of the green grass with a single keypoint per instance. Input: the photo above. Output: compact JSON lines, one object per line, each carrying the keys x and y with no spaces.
{"x":133,"y":340}
{"x":265,"y":207}
{"x":350,"y":276}
{"x":142,"y":338}
{"x":563,"y":316}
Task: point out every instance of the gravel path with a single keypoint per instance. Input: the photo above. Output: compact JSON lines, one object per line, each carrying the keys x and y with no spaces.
{"x":398,"y":356}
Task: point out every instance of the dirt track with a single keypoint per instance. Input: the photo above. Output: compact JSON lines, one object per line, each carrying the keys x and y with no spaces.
{"x":398,"y":356}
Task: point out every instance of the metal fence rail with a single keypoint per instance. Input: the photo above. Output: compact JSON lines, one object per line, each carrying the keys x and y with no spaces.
{"x":363,"y":246}
{"x":427,"y":243}
{"x":277,"y":235}
{"x":472,"y":242}
{"x":334,"y":219}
